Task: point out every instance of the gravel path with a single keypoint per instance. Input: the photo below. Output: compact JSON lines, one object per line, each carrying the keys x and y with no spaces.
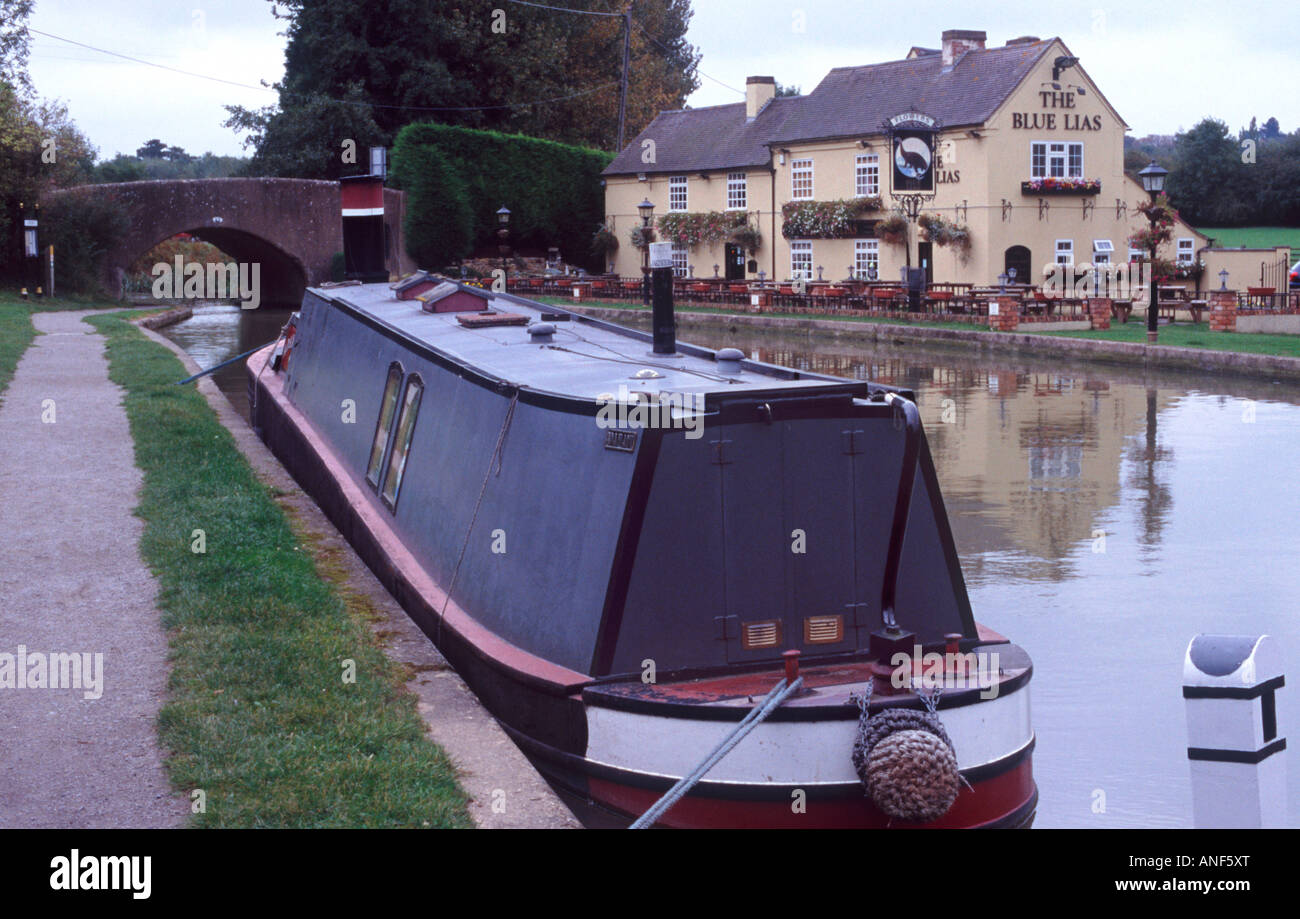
{"x":71,"y":580}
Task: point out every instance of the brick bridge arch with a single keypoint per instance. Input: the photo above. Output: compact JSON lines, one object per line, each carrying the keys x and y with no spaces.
{"x":291,"y":226}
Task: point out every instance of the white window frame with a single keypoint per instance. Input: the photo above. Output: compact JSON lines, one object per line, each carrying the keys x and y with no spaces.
{"x":1068,"y":151}
{"x":737,"y":191}
{"x":1065,"y":247}
{"x":800,"y":169}
{"x":1185,"y":255}
{"x":798,"y":249}
{"x":681,"y":258}
{"x":1102,"y":251}
{"x":678,"y":188}
{"x":866,"y":255}
{"x":1136,"y":255}
{"x":866,"y":175}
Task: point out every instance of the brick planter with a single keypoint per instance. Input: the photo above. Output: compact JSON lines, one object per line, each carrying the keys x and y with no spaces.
{"x":1223,"y":311}
{"x":1007,"y":318}
{"x":1099,"y":309}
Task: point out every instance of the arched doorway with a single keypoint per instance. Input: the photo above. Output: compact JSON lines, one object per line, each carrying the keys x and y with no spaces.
{"x":1018,"y":257}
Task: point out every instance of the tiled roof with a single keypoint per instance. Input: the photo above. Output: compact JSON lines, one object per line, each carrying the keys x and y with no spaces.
{"x":706,"y":138}
{"x":849,"y":102}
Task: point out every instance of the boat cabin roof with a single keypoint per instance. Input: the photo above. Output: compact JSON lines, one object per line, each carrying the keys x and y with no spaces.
{"x":585,"y":358}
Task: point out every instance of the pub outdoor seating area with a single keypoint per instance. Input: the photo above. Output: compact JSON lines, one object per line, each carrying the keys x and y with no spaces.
{"x":938,"y":301}
{"x":948,"y":301}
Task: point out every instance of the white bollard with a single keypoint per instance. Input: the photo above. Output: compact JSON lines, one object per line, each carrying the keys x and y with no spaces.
{"x":1237,"y":755}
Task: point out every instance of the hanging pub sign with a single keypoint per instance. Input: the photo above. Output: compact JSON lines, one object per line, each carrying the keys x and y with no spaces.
{"x":912,"y":138}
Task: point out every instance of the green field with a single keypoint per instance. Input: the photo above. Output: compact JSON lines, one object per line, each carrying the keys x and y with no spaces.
{"x":1255,"y":237}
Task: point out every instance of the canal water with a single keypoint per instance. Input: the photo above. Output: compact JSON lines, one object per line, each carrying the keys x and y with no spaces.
{"x":1103,"y":517}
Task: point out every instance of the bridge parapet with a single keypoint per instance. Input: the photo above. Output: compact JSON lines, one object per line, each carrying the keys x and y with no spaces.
{"x":291,"y":226}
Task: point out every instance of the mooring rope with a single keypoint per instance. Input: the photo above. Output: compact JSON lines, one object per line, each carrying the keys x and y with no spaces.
{"x":493,"y":461}
{"x":780,"y":692}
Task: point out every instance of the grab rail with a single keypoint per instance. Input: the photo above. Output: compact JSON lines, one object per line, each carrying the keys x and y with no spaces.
{"x":902,"y":506}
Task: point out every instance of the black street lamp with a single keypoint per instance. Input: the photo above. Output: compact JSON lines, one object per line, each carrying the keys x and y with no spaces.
{"x":1153,"y":180}
{"x":503,"y":233}
{"x":647,"y":211}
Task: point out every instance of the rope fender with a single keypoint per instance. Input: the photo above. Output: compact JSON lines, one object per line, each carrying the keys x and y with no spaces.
{"x":906,"y":761}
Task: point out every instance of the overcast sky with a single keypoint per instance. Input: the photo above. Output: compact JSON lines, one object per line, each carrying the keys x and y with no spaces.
{"x":1162,"y":65}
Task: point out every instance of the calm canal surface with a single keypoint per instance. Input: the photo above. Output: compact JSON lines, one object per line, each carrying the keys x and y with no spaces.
{"x":1103,"y":518}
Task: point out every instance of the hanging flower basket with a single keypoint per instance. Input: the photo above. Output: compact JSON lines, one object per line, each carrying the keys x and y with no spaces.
{"x":892,"y":230}
{"x":747,"y":237}
{"x":937,"y":229}
{"x":641,"y":237}
{"x":603,"y":241}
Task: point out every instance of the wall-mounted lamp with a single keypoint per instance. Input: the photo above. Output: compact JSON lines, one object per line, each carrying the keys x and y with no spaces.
{"x":640,"y":176}
{"x":975,"y":134}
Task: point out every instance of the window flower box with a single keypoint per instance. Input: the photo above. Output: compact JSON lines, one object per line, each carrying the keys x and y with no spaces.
{"x":825,"y":219}
{"x":1057,"y":186}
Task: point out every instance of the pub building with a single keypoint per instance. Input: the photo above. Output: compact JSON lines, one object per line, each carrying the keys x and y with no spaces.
{"x":1027,"y":158}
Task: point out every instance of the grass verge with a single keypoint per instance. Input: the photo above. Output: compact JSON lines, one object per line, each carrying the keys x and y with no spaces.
{"x":1194,"y":335}
{"x":260,"y":714}
{"x":16,"y":329}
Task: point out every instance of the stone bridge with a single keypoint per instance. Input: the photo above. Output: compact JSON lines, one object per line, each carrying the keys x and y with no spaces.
{"x":292,"y":227}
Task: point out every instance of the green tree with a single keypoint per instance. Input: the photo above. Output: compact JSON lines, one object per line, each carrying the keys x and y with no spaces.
{"x":1208,"y":182}
{"x":476,"y":65}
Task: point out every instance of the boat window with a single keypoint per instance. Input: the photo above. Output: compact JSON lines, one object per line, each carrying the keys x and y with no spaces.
{"x":402,"y":439}
{"x":387,"y":409}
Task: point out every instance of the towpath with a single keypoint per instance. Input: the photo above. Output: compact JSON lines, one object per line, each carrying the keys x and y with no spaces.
{"x":72,"y":581}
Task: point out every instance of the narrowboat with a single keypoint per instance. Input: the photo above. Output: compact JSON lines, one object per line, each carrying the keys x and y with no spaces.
{"x":620,"y":547}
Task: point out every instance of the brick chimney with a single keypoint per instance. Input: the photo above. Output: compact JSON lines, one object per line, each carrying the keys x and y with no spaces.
{"x":759,"y":91}
{"x":957,"y":42}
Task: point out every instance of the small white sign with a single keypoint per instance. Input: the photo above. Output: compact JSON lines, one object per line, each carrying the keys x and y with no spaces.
{"x":661,"y":255}
{"x":753,"y":300}
{"x":993,"y":307}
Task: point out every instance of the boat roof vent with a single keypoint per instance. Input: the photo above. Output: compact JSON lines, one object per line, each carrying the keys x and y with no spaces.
{"x":541,"y":332}
{"x":729,"y":360}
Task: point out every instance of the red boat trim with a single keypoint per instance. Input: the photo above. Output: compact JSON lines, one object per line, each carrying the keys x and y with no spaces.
{"x":739,"y":791}
{"x":522,"y":665}
{"x":703,"y":711}
{"x":1003,"y":795}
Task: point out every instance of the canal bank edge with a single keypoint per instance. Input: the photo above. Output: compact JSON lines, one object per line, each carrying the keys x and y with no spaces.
{"x":505,"y":791}
{"x":1159,"y":357}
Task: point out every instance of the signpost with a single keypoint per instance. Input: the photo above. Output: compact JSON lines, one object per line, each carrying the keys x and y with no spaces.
{"x":913,"y":137}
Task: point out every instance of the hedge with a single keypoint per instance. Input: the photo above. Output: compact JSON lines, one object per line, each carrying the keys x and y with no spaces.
{"x":439,"y":225}
{"x":553,"y":190}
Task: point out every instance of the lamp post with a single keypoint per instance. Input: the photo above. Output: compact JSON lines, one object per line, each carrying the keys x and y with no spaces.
{"x":647,"y":211}
{"x":503,"y":233}
{"x":1153,"y":180}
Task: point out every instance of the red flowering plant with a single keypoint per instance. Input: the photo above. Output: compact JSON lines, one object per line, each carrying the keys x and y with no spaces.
{"x":825,"y":219}
{"x":1057,"y":183}
{"x":692,"y":229}
{"x":944,"y":232}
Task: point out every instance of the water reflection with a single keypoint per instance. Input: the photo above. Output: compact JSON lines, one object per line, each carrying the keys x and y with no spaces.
{"x":1104,"y":516}
{"x":219,"y":331}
